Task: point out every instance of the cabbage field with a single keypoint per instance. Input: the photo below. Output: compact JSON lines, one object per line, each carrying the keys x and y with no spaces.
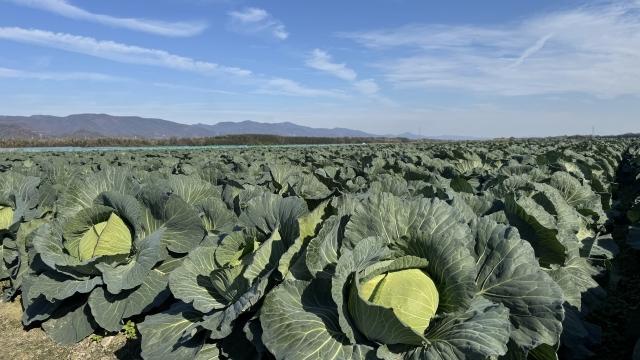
{"x":514,"y":249}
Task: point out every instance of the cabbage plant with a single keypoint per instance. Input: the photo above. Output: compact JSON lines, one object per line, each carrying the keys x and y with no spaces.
{"x":220,"y":284}
{"x":410,"y":279}
{"x":108,"y":262}
{"x":22,"y":210}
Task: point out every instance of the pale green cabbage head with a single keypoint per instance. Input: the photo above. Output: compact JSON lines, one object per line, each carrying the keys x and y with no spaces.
{"x":6,"y":217}
{"x":107,"y":236}
{"x":409,"y":299}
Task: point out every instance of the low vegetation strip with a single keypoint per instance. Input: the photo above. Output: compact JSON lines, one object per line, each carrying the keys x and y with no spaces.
{"x":486,"y":250}
{"x":247,"y":139}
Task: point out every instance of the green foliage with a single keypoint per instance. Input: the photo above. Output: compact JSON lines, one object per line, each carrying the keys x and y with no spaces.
{"x":416,"y":251}
{"x":129,"y":330}
{"x":96,"y":338}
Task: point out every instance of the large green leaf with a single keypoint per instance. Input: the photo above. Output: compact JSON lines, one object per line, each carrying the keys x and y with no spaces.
{"x":191,"y":282}
{"x":109,"y":310}
{"x":165,"y":336}
{"x":566,"y":215}
{"x":229,"y":284}
{"x":235,"y":246}
{"x":269,"y":212}
{"x":300,"y":320}
{"x":15,"y":250}
{"x":308,"y":225}
{"x":575,"y":278}
{"x":70,"y":323}
{"x":181,"y":225}
{"x":321,"y":256}
{"x":19,"y":198}
{"x":81,"y":194}
{"x":288,"y":178}
{"x":192,"y":189}
{"x":221,"y":323}
{"x":508,"y":273}
{"x":211,"y":352}
{"x":126,"y":206}
{"x":130,"y":275}
{"x":538,"y":227}
{"x":393,"y":218}
{"x":480,"y":332}
{"x":55,"y":286}
{"x":580,"y":196}
{"x":395,"y":185}
{"x":266,"y":257}
{"x":367,"y":252}
{"x":307,"y":186}
{"x":38,"y":308}
{"x":48,"y":244}
{"x":216,"y":217}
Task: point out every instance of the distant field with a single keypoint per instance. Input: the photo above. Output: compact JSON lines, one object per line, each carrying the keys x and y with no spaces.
{"x":227,"y":140}
{"x":421,"y":250}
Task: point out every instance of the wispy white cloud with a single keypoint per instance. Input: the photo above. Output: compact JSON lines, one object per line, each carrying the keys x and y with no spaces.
{"x":66,"y":9}
{"x":250,"y":15}
{"x":116,"y":51}
{"x":367,"y":86}
{"x":591,"y":50}
{"x":253,"y":20}
{"x":281,"y":86}
{"x":190,"y":88}
{"x":57,"y":76}
{"x":138,"y":55}
{"x":321,"y":60}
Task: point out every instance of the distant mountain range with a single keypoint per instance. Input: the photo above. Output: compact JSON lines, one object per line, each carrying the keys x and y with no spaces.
{"x":103,"y":125}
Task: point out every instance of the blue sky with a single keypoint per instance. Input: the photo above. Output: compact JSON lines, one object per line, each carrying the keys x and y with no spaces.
{"x":475,"y":68}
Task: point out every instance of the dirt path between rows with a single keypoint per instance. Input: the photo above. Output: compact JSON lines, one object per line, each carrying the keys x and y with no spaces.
{"x":18,"y":344}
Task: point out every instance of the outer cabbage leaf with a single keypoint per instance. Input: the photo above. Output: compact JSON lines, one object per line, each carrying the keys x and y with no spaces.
{"x":165,"y":335}
{"x":191,"y":282}
{"x":110,"y":310}
{"x":393,"y":218}
{"x":508,"y":273}
{"x":538,"y":227}
{"x":70,"y":324}
{"x":300,"y":320}
{"x":322,"y":254}
{"x":123,"y":277}
{"x":80,"y":194}
{"x":183,"y":229}
{"x":480,"y":332}
{"x":582,"y":197}
{"x":269,"y":212}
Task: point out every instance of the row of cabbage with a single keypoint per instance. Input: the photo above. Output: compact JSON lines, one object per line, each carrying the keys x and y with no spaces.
{"x":426,"y":251}
{"x":633,"y":214}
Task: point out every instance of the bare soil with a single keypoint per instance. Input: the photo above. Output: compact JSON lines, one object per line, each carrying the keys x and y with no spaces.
{"x":16,"y":343}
